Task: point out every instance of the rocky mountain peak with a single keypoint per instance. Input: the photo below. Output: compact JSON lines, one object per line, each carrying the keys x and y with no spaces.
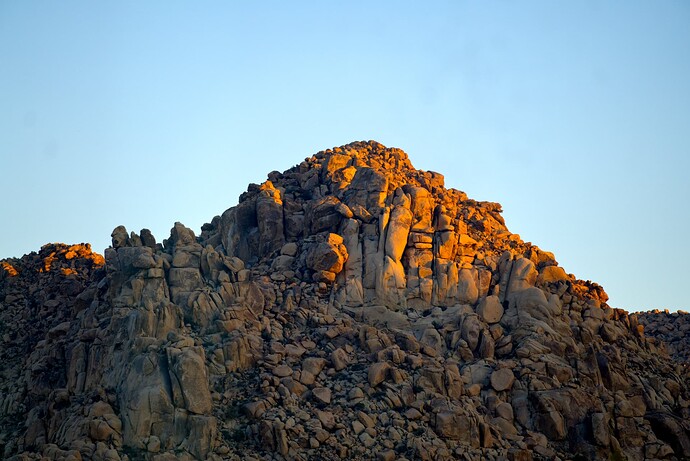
{"x":351,"y":307}
{"x":406,"y":236}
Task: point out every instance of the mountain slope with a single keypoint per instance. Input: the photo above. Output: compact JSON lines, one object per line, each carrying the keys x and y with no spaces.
{"x":351,"y":307}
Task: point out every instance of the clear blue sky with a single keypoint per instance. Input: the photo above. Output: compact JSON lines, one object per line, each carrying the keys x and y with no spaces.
{"x":574,"y":115}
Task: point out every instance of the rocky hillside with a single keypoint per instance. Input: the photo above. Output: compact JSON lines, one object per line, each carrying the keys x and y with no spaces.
{"x":672,"y":328}
{"x":351,"y":307}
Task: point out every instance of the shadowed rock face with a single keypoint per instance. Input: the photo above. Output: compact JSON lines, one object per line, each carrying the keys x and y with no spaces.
{"x":673,"y":328}
{"x":351,"y":307}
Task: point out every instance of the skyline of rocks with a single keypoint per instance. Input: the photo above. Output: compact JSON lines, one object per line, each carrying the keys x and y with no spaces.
{"x":351,"y":307}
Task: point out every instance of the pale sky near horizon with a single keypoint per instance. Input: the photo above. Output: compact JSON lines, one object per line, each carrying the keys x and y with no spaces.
{"x":574,"y":116}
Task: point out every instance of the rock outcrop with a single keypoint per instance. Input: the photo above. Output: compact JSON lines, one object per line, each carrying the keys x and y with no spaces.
{"x":672,"y":329}
{"x":351,"y":307}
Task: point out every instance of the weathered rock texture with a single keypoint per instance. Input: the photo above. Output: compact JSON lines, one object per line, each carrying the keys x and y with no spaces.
{"x":672,"y":329}
{"x":351,"y":307}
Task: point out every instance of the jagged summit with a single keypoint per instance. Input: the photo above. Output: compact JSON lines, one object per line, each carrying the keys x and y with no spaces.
{"x":408,"y":238}
{"x":350,"y":307}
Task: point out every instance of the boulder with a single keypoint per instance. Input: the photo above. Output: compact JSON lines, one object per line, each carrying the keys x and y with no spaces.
{"x":552,"y":274}
{"x":490,"y":309}
{"x":455,"y":425}
{"x":377,"y":373}
{"x":398,"y":230}
{"x":269,"y":218}
{"x":368,"y":189}
{"x":189,"y":379}
{"x":502,"y":379}
{"x":329,"y":255}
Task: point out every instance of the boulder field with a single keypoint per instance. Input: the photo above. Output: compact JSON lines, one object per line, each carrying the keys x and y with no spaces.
{"x":351,"y":307}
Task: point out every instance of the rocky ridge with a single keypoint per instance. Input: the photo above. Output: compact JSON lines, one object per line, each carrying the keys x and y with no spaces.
{"x":351,"y":307}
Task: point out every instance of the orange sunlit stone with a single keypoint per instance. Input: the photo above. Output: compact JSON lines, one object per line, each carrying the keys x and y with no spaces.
{"x":47,"y":262}
{"x":68,"y":253}
{"x":9,"y":269}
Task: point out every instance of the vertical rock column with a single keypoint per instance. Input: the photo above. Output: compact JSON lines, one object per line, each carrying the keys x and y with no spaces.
{"x":352,"y":293}
{"x":269,"y":216}
{"x":445,"y":269}
{"x":161,"y":376}
{"x":419,"y":256}
{"x":367,"y":192}
{"x":391,"y":283}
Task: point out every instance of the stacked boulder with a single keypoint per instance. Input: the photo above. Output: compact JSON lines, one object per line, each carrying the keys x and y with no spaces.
{"x":351,"y":307}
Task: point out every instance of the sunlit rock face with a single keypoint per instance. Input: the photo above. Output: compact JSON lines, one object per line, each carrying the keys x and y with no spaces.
{"x":351,"y":307}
